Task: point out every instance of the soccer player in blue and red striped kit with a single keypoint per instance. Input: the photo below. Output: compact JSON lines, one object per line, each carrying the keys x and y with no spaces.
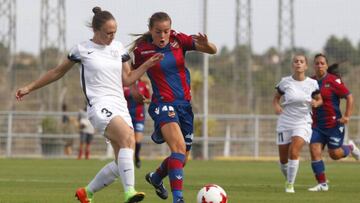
{"x":170,"y":106}
{"x":328,"y":122}
{"x":136,"y":96}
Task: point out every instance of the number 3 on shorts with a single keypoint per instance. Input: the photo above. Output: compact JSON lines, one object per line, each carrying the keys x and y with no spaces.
{"x":106,"y":112}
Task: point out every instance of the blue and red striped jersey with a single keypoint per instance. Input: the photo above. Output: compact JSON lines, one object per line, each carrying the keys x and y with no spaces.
{"x":170,"y":79}
{"x":137,"y":109}
{"x":332,"y":89}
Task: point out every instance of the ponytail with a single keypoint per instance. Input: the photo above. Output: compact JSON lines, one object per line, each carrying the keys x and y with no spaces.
{"x":141,"y":38}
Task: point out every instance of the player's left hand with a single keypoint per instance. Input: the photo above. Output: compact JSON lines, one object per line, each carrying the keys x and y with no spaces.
{"x":201,"y":39}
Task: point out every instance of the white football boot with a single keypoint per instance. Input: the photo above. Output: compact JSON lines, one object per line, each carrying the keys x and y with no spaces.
{"x":289,"y":187}
{"x":356,"y":151}
{"x":319,"y":187}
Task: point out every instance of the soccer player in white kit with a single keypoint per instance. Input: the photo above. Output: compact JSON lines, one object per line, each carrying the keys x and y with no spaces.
{"x":103,"y":72}
{"x":300,"y":93}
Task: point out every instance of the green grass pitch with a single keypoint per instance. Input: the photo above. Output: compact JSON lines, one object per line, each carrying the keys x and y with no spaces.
{"x":54,"y":181}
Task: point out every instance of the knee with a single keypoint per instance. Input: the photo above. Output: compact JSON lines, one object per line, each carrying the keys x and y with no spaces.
{"x":333,"y":155}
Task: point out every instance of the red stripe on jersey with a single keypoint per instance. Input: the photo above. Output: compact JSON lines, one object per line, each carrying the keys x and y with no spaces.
{"x":180,"y":64}
{"x":158,"y":78}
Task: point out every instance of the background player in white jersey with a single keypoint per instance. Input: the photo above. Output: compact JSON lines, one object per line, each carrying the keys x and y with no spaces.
{"x":104,"y":69}
{"x":300,"y":94}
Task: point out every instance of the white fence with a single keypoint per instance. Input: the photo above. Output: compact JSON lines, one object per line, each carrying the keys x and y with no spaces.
{"x":45,"y":135}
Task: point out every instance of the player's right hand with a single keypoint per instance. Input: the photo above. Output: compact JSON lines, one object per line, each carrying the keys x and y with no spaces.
{"x":156,"y":58}
{"x":21,"y":92}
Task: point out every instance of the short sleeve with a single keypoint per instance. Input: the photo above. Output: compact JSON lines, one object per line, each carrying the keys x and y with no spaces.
{"x":137,"y":60}
{"x":74,"y":54}
{"x":340,"y":89}
{"x":186,"y":41}
{"x":125,"y":57}
{"x":316,"y":90}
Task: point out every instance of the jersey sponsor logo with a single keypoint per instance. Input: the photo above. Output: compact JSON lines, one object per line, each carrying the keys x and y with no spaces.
{"x":147,"y":52}
{"x":90,"y":52}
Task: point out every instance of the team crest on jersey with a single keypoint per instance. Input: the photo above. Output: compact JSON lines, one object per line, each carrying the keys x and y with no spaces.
{"x":327,"y":85}
{"x":114,"y":53}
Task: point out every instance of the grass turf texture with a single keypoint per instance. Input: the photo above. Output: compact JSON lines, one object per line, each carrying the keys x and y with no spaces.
{"x":55,"y":181}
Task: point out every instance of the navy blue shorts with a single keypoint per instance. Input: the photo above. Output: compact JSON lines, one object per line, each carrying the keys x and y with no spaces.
{"x":86,"y":138}
{"x":180,"y":113}
{"x":139,"y":126}
{"x":332,"y":137}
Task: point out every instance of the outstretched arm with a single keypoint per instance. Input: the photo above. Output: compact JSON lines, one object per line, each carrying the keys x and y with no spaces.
{"x":49,"y":77}
{"x":202,"y":44}
{"x":130,"y":76}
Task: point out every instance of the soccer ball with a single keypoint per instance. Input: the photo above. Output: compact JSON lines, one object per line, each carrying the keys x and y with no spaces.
{"x":211,"y":193}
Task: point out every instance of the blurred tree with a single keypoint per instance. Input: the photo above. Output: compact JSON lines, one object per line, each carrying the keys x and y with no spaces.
{"x":338,"y":50}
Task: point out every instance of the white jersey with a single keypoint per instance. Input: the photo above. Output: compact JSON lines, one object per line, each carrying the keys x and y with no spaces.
{"x":297,"y":103}
{"x":101,"y":70}
{"x":101,"y":81}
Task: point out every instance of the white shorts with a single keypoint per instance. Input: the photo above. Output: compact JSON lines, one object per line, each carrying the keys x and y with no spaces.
{"x":284,"y":137}
{"x":101,"y":113}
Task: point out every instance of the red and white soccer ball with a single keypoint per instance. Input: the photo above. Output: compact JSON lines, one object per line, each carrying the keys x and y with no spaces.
{"x":211,"y":193}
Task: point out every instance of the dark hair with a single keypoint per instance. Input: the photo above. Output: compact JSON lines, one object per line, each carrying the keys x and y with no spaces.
{"x":100,"y":18}
{"x":333,"y":68}
{"x":158,"y":16}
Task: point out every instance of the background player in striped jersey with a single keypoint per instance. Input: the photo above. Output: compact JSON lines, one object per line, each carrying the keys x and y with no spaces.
{"x":300,"y":93}
{"x":328,"y":122}
{"x":136,"y":96}
{"x":104,"y":69}
{"x":170,"y":106}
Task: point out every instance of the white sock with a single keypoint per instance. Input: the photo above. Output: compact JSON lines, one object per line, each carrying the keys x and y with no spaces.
{"x":284,"y":168}
{"x":104,"y":177}
{"x":293,"y":166}
{"x":126,"y":168}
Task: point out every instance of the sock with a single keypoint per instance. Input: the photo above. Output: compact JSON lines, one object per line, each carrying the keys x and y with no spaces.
{"x":293,"y":166}
{"x":87,"y":152}
{"x":137,"y":151}
{"x":318,"y":168}
{"x":347,"y":149}
{"x":80,"y":153}
{"x":175,"y":170}
{"x":104,"y":177}
{"x":283,"y":168}
{"x":126,"y":168}
{"x":160,"y":172}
